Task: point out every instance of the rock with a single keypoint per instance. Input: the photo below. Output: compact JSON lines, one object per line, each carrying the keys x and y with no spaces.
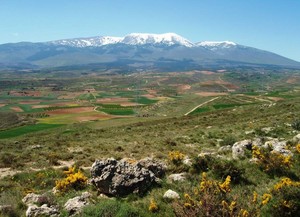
{"x":76,"y":204}
{"x":155,"y":166}
{"x":187,"y":161}
{"x":296,"y":139}
{"x":238,"y":148}
{"x":278,"y":146}
{"x":250,"y":132}
{"x":224,"y":149}
{"x":169,"y":194}
{"x":44,"y":210}
{"x":267,"y":129}
{"x":32,"y":198}
{"x":120,"y":178}
{"x":257,"y":142}
{"x":177,"y":177}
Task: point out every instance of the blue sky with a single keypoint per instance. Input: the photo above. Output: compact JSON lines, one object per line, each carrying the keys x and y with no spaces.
{"x":272,"y":25}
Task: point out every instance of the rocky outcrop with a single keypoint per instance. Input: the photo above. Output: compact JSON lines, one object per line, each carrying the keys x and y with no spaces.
{"x":120,"y":178}
{"x":278,"y":146}
{"x":296,"y":139}
{"x":76,"y":204}
{"x":44,"y":210}
{"x":155,"y":166}
{"x":170,"y":194}
{"x":238,"y":148}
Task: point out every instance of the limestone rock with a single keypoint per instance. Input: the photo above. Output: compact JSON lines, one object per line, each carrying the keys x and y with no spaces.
{"x":224,"y":149}
{"x":177,"y":177}
{"x":170,"y":194}
{"x":76,"y":204}
{"x":155,"y":166}
{"x":296,"y":139}
{"x":120,"y":178}
{"x":44,"y":210}
{"x":238,"y":148}
{"x":32,"y":198}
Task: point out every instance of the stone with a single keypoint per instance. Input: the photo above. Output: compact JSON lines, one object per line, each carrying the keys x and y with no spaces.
{"x":120,"y":178}
{"x":278,"y":146}
{"x":238,"y":148}
{"x":257,"y":142}
{"x":177,"y":177}
{"x":187,"y":161}
{"x":32,"y":198}
{"x":76,"y":204}
{"x":296,"y":139}
{"x":170,"y":194}
{"x":224,"y":149}
{"x":155,"y":166}
{"x":44,"y":210}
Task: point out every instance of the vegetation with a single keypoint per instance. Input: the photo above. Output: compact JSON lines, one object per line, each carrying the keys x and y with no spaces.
{"x":64,"y":125}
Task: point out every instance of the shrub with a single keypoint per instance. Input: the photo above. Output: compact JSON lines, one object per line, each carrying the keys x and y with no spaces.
{"x":176,"y":157}
{"x":153,"y":206}
{"x":271,"y":162}
{"x":296,"y":124}
{"x":74,"y":180}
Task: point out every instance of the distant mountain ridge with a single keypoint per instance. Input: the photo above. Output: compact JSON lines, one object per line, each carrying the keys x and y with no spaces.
{"x":159,"y":52}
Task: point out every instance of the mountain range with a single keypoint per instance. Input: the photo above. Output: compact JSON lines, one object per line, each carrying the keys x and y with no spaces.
{"x":137,"y":50}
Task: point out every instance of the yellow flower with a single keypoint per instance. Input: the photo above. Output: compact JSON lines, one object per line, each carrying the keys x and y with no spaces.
{"x":266,"y":198}
{"x":153,"y":206}
{"x":255,"y":195}
{"x":232,"y":205}
{"x":298,"y":148}
{"x":187,"y":205}
{"x":225,"y":186}
{"x":244,"y":212}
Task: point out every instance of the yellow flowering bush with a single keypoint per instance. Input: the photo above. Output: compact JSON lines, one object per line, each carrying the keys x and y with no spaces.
{"x":271,"y":162}
{"x":153,"y":207}
{"x":298,"y":148}
{"x":74,"y":180}
{"x":176,"y":157}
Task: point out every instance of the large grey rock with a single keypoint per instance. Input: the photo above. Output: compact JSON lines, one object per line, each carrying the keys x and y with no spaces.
{"x":32,"y":198}
{"x":177,"y":177}
{"x":155,"y":166}
{"x":170,"y":194}
{"x":238,"y":148}
{"x":44,"y":210}
{"x":120,"y":178}
{"x":76,"y":204}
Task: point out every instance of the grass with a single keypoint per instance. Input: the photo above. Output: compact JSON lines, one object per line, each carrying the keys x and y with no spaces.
{"x":144,"y":100}
{"x":117,"y":111}
{"x":26,"y":129}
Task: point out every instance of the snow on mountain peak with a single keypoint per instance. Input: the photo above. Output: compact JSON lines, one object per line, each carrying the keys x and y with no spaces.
{"x":89,"y":42}
{"x":211,"y":44}
{"x":147,"y":38}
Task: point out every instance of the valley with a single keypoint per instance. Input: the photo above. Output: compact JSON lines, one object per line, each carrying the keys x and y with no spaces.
{"x":51,"y":120}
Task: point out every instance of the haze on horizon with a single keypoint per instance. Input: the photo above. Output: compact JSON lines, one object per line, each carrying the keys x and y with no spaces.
{"x":271,"y":25}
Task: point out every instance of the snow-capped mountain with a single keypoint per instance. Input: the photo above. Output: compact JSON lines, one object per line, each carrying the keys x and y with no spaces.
{"x":167,"y":51}
{"x":167,"y":39}
{"x":88,"y":42}
{"x":131,"y":39}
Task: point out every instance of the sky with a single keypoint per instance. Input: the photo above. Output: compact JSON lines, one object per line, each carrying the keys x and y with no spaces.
{"x":272,"y":25}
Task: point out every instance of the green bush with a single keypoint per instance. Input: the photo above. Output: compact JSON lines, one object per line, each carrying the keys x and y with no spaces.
{"x":296,"y":124}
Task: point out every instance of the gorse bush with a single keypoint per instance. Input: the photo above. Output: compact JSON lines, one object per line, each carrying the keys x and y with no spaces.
{"x":272,"y":162}
{"x":74,"y":180}
{"x":176,"y":157}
